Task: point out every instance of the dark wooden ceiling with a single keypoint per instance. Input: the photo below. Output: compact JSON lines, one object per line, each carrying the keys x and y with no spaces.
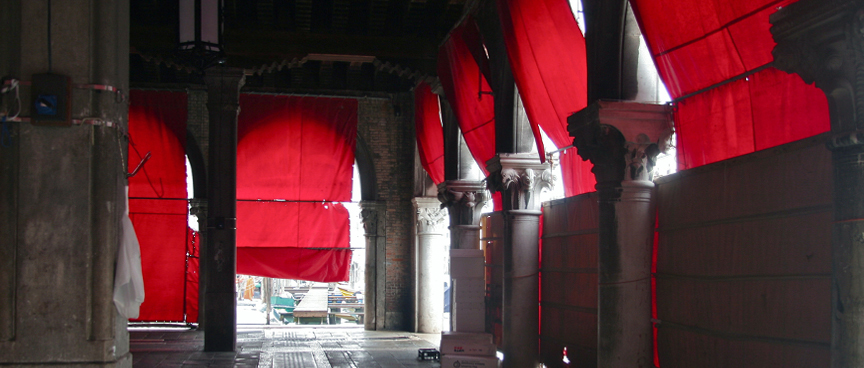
{"x":263,"y":32}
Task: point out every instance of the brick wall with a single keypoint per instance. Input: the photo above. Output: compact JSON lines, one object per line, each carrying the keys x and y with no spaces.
{"x":391,"y":141}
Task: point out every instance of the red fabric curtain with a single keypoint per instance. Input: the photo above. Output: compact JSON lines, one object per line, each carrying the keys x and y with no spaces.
{"x":551,"y":74}
{"x":158,"y":205}
{"x":192,"y":275}
{"x":293,"y":240}
{"x":698,"y":44}
{"x":430,"y":133}
{"x":298,"y":148}
{"x":157,"y":124}
{"x":161,"y":228}
{"x":295,"y":157}
{"x":468,"y":93}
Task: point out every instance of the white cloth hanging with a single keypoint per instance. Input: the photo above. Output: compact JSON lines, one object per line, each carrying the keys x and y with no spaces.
{"x":128,"y":278}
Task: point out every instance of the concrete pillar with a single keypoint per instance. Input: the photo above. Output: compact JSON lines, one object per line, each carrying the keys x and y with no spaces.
{"x":62,"y":188}
{"x":430,"y":264}
{"x":622,"y":140}
{"x":823,"y":42}
{"x":374,"y":224}
{"x":520,"y":177}
{"x":223,"y":104}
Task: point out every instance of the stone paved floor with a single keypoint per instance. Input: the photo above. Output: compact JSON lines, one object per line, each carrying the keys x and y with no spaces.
{"x":282,"y":347}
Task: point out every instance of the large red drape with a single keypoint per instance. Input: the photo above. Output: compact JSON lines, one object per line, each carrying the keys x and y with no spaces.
{"x":157,"y":124}
{"x":430,"y":133}
{"x":468,"y":92}
{"x":295,"y":158}
{"x":700,"y":45}
{"x":158,"y":205}
{"x":551,"y":73}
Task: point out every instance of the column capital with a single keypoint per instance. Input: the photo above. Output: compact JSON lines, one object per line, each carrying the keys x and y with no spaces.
{"x":621,"y":139}
{"x":520,"y":177}
{"x":198,"y":206}
{"x":430,"y":216}
{"x":369,"y":213}
{"x":465,"y":193}
{"x":823,"y":42}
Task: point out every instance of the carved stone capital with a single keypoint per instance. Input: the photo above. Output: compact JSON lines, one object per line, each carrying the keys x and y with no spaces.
{"x":370,"y":213}
{"x":198,"y":207}
{"x":468,"y":194}
{"x":431,"y":220}
{"x":823,"y":42}
{"x":621,"y":139}
{"x":521,"y":178}
{"x":431,"y":217}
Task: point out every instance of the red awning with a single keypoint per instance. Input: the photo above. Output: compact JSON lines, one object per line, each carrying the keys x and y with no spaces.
{"x":295,"y":158}
{"x":551,"y":74}
{"x":430,"y":133}
{"x":158,"y":204}
{"x":715,"y":58}
{"x":468,"y":92}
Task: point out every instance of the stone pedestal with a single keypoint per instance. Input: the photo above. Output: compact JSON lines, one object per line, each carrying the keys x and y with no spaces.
{"x":430,"y":264}
{"x":823,"y":42}
{"x":520,"y":177}
{"x":223,"y":104}
{"x":373,"y":213}
{"x":464,"y":200}
{"x":622,"y":140}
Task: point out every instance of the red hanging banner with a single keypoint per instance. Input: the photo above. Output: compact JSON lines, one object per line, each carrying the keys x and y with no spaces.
{"x":551,"y":73}
{"x":430,"y":133}
{"x":714,"y":57}
{"x":158,"y":205}
{"x":295,"y":159}
{"x":469,"y":94}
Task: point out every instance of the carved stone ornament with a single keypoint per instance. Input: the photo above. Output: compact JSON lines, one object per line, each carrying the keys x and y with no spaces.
{"x":640,"y":158}
{"x":464,"y":199}
{"x":430,"y":220}
{"x":521,"y":178}
{"x":621,"y":139}
{"x":370,"y":220}
{"x":469,"y":199}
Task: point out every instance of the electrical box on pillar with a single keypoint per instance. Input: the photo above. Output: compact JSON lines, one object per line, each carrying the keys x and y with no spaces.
{"x":51,"y":98}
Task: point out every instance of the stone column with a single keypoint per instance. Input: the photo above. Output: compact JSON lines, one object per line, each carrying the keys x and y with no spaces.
{"x":430,"y":264}
{"x":520,"y":177}
{"x":198,"y":207}
{"x":823,"y":42}
{"x":374,"y":224}
{"x":622,"y":140}
{"x":223,"y":104}
{"x":464,"y":199}
{"x":62,"y":188}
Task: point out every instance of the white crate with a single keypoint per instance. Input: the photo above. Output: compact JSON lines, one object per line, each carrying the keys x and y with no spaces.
{"x":462,"y":343}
